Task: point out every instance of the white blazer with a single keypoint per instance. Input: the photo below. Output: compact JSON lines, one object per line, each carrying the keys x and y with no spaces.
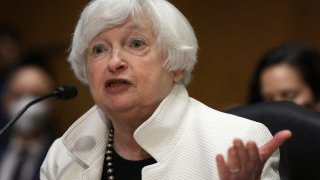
{"x":183,"y":135}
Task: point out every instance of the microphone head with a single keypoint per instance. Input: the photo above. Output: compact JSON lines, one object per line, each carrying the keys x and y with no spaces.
{"x":66,"y":92}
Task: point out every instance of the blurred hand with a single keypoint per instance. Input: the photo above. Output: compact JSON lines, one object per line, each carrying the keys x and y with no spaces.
{"x":246,"y":161}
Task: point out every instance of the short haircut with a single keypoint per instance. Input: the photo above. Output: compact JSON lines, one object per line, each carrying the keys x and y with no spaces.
{"x":174,"y":34}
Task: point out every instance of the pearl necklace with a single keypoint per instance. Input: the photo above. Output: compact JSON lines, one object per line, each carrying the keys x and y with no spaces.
{"x":108,"y":156}
{"x":109,"y":168}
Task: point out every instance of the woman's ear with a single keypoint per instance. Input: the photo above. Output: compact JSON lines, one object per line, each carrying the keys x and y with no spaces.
{"x":178,"y":74}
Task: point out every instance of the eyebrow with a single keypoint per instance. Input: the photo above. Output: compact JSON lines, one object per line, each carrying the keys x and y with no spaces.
{"x":145,"y":27}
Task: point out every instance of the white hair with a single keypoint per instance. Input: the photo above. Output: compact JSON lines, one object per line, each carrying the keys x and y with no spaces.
{"x":175,"y":35}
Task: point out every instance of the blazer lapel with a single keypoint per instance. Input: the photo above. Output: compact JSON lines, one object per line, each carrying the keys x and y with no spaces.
{"x":86,"y":141}
{"x":94,"y":171}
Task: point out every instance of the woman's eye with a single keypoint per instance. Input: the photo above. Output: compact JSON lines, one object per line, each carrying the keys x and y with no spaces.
{"x":137,"y":43}
{"x":289,"y":95}
{"x":98,"y":49}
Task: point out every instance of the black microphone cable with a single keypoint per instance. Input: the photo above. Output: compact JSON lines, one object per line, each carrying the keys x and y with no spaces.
{"x":63,"y":92}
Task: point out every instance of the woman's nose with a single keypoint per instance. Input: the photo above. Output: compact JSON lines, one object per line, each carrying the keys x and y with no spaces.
{"x":116,"y":62}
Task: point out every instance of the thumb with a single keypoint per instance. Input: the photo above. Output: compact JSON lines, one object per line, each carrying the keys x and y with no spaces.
{"x":279,"y":138}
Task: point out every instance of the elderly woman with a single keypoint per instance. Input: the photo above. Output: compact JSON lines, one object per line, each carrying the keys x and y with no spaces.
{"x":136,"y":56}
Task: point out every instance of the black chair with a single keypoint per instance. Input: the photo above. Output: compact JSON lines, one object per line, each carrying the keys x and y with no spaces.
{"x":300,"y":155}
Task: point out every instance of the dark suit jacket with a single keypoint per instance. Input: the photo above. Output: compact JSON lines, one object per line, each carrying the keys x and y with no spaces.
{"x":39,"y":158}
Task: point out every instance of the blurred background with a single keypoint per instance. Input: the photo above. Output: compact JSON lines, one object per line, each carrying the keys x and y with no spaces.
{"x":232,"y":35}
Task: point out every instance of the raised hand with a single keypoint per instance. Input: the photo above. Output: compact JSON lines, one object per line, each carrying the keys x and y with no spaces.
{"x":246,"y":161}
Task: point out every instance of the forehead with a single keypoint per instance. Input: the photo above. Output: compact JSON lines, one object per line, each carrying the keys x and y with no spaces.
{"x":30,"y":79}
{"x":281,"y":71}
{"x":139,"y":24}
{"x":281,"y":76}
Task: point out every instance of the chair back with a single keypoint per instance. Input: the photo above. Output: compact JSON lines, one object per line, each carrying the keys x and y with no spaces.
{"x":300,"y":155}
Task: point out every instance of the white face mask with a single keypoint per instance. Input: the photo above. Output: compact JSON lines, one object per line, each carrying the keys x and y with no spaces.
{"x":33,"y":120}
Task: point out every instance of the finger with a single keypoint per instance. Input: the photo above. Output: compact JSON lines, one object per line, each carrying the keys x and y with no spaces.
{"x":223,"y":169}
{"x":255,"y":164}
{"x":253,"y":151}
{"x":267,"y":149}
{"x":233,"y":160}
{"x":241,"y":151}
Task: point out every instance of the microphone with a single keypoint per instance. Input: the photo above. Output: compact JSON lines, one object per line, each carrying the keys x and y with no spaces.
{"x":63,"y":92}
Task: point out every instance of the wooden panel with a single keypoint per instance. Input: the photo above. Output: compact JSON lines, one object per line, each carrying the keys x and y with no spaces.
{"x":232,"y":36}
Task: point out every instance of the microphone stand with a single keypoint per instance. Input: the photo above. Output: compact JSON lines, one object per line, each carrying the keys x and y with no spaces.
{"x":19,"y":114}
{"x":64,"y":92}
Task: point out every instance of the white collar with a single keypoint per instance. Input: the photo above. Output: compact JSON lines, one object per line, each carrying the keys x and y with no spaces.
{"x":86,"y":138}
{"x":163,"y":128}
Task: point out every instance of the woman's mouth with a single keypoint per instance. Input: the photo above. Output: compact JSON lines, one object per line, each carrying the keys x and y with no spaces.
{"x":117,"y":85}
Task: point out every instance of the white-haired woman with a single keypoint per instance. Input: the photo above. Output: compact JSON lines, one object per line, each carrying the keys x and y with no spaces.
{"x":136,"y":56}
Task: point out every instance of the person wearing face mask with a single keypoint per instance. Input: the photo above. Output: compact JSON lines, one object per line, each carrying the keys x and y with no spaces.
{"x":33,"y":133}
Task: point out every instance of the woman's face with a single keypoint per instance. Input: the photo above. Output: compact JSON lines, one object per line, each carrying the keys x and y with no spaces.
{"x":125,"y":70}
{"x":283,"y":82}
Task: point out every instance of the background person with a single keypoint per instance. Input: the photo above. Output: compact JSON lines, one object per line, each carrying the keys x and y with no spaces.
{"x":32,"y":135}
{"x":136,"y":56}
{"x":290,"y":72}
